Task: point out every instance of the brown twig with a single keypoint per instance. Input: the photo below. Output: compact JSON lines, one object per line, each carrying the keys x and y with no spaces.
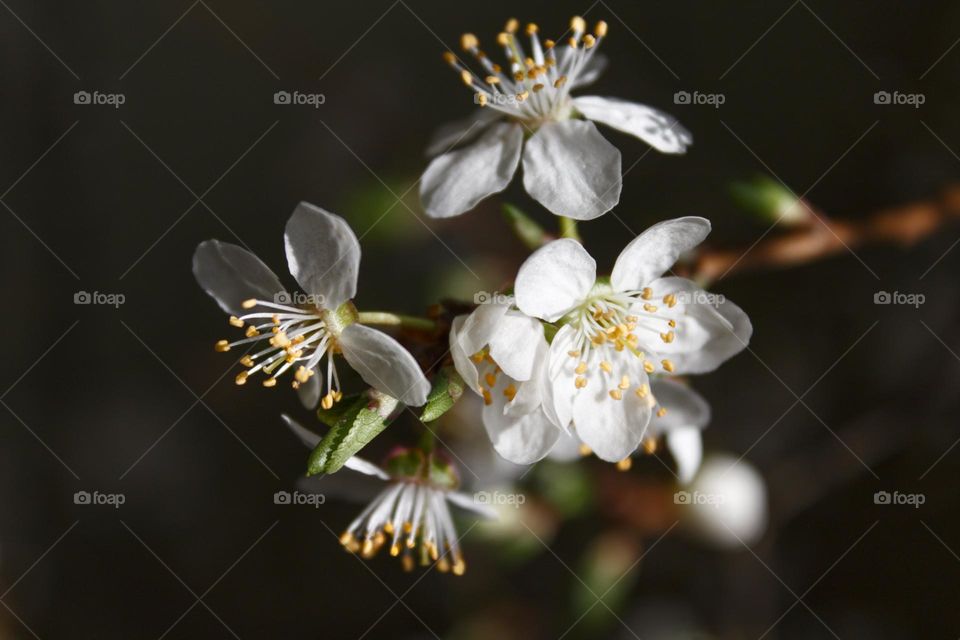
{"x":823,"y":237}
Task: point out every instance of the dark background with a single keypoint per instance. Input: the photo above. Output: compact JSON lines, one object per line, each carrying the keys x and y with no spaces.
{"x":134,"y":400}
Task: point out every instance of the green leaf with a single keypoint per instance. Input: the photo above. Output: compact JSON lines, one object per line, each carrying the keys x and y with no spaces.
{"x":332,"y":416}
{"x":769,"y":200}
{"x":360,"y":422}
{"x":530,"y":233}
{"x":447,"y":389}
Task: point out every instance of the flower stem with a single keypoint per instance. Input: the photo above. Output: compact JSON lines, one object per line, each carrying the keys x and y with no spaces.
{"x":385,"y":318}
{"x":568,"y":229}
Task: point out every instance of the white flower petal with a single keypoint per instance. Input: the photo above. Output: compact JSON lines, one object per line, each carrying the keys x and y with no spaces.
{"x":454,"y":134}
{"x":658,"y":129}
{"x":613,"y":429}
{"x":468,"y":502}
{"x":466,"y":367}
{"x":515,"y":344}
{"x":522,"y":439}
{"x":481,"y":325}
{"x":323,"y":254}
{"x":592,"y":70}
{"x":686,"y":446}
{"x":384,"y":364}
{"x":366,"y":468}
{"x":572,"y":170}
{"x":554,"y":279}
{"x":309,"y":391}
{"x":456,"y":181}
{"x":559,"y":389}
{"x":685,"y":407}
{"x":656,"y":250}
{"x":567,"y":448}
{"x":231,"y":274}
{"x":307,"y":437}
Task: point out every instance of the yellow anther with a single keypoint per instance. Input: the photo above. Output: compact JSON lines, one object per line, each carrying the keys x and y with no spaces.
{"x":241,"y":378}
{"x":648,"y":366}
{"x":572,"y":42}
{"x":650,"y":446}
{"x":672,"y":323}
{"x":624,"y":383}
{"x":477,"y":357}
{"x":459,"y":567}
{"x":249,"y":304}
{"x":487,"y":398}
{"x":270,"y":382}
{"x":251,"y":332}
{"x":449,"y":58}
{"x":606,"y":366}
{"x":302,"y":374}
{"x":246,"y":361}
{"x":530,"y":64}
{"x":616,"y":394}
{"x":395,"y":549}
{"x":492,"y":80}
{"x":662,"y":411}
{"x":574,"y":354}
{"x":481,"y":99}
{"x":589,"y":41}
{"x":522,"y":96}
{"x":468,"y":41}
{"x":503,"y":39}
{"x":222,"y":346}
{"x":578,"y":24}
{"x":466,"y":77}
{"x":275,"y":319}
{"x":642,"y":391}
{"x":580,"y":382}
{"x":625,"y":464}
{"x":633,"y":340}
{"x":532,"y":29}
{"x":601,"y":29}
{"x":510,"y":392}
{"x":337,"y":395}
{"x":491,"y":379}
{"x":511,"y":26}
{"x":670,"y":300}
{"x":235,"y":321}
{"x":581,"y":368}
{"x":650,"y":308}
{"x":647,"y":293}
{"x":280,"y":340}
{"x":668,"y":365}
{"x":538,"y":87}
{"x":327,"y":401}
{"x":598,"y":339}
{"x":667,"y":337}
{"x":559,"y":82}
{"x":585,"y":450}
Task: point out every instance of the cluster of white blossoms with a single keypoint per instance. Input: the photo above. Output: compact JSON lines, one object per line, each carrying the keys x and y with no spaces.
{"x":606,"y":379}
{"x":568,"y":364}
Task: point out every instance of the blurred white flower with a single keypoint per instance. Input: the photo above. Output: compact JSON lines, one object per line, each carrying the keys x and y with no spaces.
{"x":687,"y":414}
{"x":501,"y":354}
{"x":298,"y":330}
{"x":410,"y":516}
{"x":727,"y":502}
{"x":567,"y":165}
{"x":615,"y":332}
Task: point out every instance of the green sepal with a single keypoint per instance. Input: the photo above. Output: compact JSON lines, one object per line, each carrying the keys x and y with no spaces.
{"x":360,"y":423}
{"x":447,"y":388}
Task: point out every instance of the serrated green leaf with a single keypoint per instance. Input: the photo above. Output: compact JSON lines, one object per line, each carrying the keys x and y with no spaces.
{"x":360,"y":423}
{"x":530,"y":233}
{"x":447,"y":389}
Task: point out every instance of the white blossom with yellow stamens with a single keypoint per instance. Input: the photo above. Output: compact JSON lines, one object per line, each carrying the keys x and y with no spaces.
{"x":410,"y":517}
{"x":501,"y":354}
{"x":528,"y":112}
{"x":614,"y":333}
{"x":294,"y":333}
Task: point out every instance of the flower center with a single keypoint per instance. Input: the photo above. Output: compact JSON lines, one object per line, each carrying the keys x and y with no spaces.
{"x":295,"y":337}
{"x":536,"y":89}
{"x":609,"y":325}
